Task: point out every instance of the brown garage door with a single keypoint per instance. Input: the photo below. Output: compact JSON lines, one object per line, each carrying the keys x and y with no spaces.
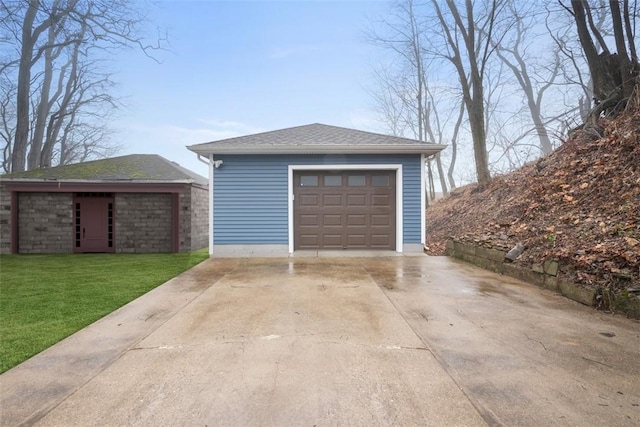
{"x":344,"y":210}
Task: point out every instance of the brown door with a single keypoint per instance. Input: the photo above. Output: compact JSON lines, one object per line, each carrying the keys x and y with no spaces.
{"x":344,"y":210}
{"x":93,"y":218}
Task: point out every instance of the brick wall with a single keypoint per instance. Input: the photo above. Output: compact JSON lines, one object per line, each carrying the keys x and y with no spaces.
{"x":194,"y":219}
{"x":45,"y":223}
{"x":143,"y":222}
{"x":185,"y":221}
{"x":5,"y":220}
{"x":199,"y":218}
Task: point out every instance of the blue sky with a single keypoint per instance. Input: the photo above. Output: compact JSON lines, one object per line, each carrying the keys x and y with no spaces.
{"x":240,"y":67}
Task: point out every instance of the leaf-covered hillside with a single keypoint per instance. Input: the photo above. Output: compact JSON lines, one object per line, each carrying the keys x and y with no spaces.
{"x":580,"y":204}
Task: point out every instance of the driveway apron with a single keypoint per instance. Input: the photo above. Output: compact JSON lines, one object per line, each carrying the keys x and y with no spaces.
{"x":332,"y":341}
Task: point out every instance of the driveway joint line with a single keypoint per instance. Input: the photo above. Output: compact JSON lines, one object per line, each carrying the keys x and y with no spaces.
{"x":485,"y":413}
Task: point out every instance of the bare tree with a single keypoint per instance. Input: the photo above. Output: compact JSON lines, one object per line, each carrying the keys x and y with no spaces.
{"x":30,"y":34}
{"x":614,"y":74}
{"x":454,"y":146}
{"x":403,"y":96}
{"x":435,"y":132}
{"x":514,"y":53}
{"x":574,"y":79}
{"x":7,"y":119}
{"x":467,"y":45}
{"x":59,"y":85}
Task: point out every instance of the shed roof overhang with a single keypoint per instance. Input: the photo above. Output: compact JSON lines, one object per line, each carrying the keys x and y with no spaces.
{"x":213,"y":149}
{"x":119,"y":186}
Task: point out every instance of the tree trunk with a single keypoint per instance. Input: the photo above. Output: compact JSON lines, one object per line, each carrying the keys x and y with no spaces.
{"x":602,"y":67}
{"x":73,"y":87}
{"x":625,"y":66}
{"x":432,"y":190}
{"x":541,"y":129}
{"x":443,"y":179}
{"x":42,"y":111}
{"x":21,"y":141}
{"x":475,"y":109}
{"x":471,"y":84}
{"x":454,"y":146}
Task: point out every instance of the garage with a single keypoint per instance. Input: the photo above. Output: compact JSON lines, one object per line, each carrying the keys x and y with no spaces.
{"x":345,"y":209}
{"x":314,"y":188}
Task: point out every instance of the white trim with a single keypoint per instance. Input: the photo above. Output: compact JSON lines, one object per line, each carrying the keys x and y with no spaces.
{"x":399,"y":210}
{"x":211,"y":205}
{"x":423,"y":201}
{"x":399,"y":194}
{"x":290,"y":207}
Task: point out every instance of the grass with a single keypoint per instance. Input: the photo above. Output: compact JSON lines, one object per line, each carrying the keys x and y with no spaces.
{"x":45,"y":298}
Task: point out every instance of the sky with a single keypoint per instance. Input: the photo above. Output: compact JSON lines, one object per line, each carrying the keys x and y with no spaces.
{"x":242,"y":67}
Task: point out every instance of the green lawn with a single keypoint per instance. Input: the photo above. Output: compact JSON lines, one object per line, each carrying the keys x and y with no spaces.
{"x":45,"y":298}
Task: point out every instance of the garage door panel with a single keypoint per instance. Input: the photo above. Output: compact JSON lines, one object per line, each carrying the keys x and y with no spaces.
{"x":332,"y":220}
{"x":380,"y":240}
{"x":357,"y":240}
{"x":380,"y":200}
{"x":357,"y":220}
{"x":307,"y":241}
{"x":309,"y":220}
{"x":310,"y":200}
{"x":331,"y":241}
{"x":383,"y":220}
{"x":356,"y":200}
{"x":345,"y":210}
{"x":329,"y":200}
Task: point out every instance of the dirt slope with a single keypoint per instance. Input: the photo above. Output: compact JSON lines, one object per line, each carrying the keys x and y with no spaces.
{"x":580,"y":204}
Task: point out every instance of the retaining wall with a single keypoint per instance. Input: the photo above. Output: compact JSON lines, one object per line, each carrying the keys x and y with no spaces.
{"x":546,"y":274}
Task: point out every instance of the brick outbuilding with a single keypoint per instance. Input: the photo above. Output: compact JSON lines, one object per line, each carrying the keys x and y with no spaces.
{"x":129,"y":204}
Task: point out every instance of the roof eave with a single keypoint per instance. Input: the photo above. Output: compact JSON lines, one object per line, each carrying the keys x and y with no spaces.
{"x":99,"y":181}
{"x":427,"y":149}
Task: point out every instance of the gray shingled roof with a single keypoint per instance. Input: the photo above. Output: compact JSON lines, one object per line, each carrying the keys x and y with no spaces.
{"x":316,"y":138}
{"x":134,"y":167}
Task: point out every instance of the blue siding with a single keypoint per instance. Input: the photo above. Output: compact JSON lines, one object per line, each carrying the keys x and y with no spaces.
{"x":411,"y":200}
{"x":250,"y":194}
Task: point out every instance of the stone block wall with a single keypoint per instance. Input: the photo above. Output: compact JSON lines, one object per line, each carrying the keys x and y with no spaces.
{"x":5,"y":220}
{"x":194,"y":221}
{"x":185,"y":221}
{"x":45,"y":223}
{"x":143,"y":222}
{"x":545,"y":274}
{"x":199,"y":218}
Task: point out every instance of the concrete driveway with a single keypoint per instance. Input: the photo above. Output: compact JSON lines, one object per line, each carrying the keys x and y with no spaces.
{"x":332,"y":341}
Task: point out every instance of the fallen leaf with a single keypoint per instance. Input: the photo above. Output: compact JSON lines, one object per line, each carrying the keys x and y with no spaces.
{"x":631,"y":241}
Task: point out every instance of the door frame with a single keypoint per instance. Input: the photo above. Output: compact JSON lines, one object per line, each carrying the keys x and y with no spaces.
{"x":399,"y":195}
{"x":108,"y":199}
